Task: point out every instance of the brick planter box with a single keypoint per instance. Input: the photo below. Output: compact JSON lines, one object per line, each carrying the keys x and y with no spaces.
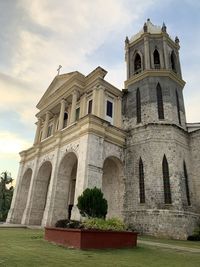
{"x":90,"y":239}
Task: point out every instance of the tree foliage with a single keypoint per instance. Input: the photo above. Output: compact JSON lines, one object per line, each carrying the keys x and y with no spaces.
{"x":92,"y":204}
{"x":6,"y":193}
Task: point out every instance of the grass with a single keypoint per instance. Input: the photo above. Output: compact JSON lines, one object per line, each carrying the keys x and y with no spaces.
{"x":181,"y":243}
{"x":24,"y":247}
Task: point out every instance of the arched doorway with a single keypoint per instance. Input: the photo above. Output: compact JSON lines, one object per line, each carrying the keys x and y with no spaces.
{"x":40,"y":193}
{"x":113,"y":186}
{"x":65,"y":189}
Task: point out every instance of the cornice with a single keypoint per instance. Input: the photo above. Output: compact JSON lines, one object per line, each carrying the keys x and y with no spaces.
{"x":158,"y":36}
{"x":89,"y":124}
{"x":154,"y":73}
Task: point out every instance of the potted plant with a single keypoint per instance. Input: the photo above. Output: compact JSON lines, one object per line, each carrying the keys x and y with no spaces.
{"x":94,"y":232}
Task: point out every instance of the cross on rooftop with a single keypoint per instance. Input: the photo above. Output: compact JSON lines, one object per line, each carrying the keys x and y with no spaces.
{"x":58,"y":70}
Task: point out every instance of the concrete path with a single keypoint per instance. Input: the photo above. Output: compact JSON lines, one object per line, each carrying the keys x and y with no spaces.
{"x":10,"y":225}
{"x":169,"y":246}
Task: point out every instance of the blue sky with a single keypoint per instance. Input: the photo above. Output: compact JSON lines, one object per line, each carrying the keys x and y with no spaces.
{"x":36,"y":36}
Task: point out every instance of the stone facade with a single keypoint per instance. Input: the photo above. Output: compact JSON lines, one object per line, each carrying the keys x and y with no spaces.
{"x":134,"y":144}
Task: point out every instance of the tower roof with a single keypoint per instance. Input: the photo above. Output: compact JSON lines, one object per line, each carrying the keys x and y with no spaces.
{"x":148,"y":27}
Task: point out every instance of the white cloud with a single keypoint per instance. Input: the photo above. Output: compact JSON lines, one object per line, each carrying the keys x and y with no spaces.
{"x":11,"y":144}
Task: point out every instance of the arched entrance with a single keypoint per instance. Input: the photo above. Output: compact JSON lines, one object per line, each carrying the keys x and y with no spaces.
{"x":65,"y":189}
{"x":40,"y":193}
{"x":113,"y":186}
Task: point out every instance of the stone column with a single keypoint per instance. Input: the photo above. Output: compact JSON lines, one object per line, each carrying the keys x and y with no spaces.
{"x":146,"y":53}
{"x":83,"y":104}
{"x":46,"y":123}
{"x":118,"y":112}
{"x":54,"y":124}
{"x":27,"y":212}
{"x":48,"y":218}
{"x":95,"y":101}
{"x":61,"y":116}
{"x":37,"y":135}
{"x":11,"y":218}
{"x":165,"y":52}
{"x":73,"y":107}
{"x":101,"y":106}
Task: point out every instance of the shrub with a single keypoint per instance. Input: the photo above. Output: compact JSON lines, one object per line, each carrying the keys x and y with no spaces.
{"x":69,"y":224}
{"x":193,"y":238}
{"x":101,"y":224}
{"x":92,"y":204}
{"x":196,"y":234}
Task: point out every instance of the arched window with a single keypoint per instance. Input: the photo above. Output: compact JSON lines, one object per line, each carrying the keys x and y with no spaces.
{"x":166,"y":182}
{"x":137,"y":64}
{"x":156,"y":59}
{"x":141,"y":182}
{"x":138,"y":105}
{"x":173,"y":61}
{"x":178,"y":108}
{"x":186,"y":184}
{"x":160,"y":102}
{"x":65,"y":119}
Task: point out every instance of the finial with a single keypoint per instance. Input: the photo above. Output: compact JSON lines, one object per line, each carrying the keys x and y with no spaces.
{"x":126,"y":40}
{"x":145,"y":27}
{"x":58,"y":70}
{"x":164,"y":28}
{"x":177,"y":40}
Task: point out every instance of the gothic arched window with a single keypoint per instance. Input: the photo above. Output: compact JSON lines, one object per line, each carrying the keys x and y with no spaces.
{"x":166,"y":181}
{"x":141,"y":182}
{"x":178,"y":108}
{"x":160,"y":102}
{"x":156,"y":59}
{"x":186,"y":184}
{"x":173,"y":61}
{"x":137,"y":64}
{"x":138,"y":105}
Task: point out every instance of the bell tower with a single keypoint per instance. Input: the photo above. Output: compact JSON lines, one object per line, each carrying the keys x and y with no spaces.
{"x":154,"y":81}
{"x":157,"y":151}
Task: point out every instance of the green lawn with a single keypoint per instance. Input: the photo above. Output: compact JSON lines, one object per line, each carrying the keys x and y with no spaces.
{"x":181,"y":243}
{"x":26,"y":248}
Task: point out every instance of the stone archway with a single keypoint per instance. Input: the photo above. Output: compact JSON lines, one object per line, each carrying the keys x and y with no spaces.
{"x":65,"y":189}
{"x":113,"y":186}
{"x":40,"y":193}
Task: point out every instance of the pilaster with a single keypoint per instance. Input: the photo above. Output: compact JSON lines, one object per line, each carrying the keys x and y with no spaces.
{"x":101,"y":106}
{"x":118,"y":112}
{"x":146,"y":53}
{"x":83,"y":105}
{"x":39,"y":124}
{"x":95,"y":101}
{"x":27,"y":211}
{"x":46,"y":123}
{"x":165,"y":52}
{"x":73,"y":107}
{"x":61,"y":116}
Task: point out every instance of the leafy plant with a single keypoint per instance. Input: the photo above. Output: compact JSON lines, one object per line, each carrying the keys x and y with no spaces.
{"x":6,"y":193}
{"x":101,"y":224}
{"x":65,"y":223}
{"x":92,"y":204}
{"x":196,"y":234}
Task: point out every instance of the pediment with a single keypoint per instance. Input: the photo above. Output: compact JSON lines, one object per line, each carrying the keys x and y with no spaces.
{"x":57,"y":82}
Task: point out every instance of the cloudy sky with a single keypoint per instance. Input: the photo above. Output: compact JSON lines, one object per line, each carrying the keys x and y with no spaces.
{"x":38,"y":35}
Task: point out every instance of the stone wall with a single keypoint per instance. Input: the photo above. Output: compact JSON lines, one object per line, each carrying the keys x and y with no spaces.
{"x":194,"y":138}
{"x":149,"y":112}
{"x":151,"y":143}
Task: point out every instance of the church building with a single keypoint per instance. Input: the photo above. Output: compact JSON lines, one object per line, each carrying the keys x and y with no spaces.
{"x":134,"y":144}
